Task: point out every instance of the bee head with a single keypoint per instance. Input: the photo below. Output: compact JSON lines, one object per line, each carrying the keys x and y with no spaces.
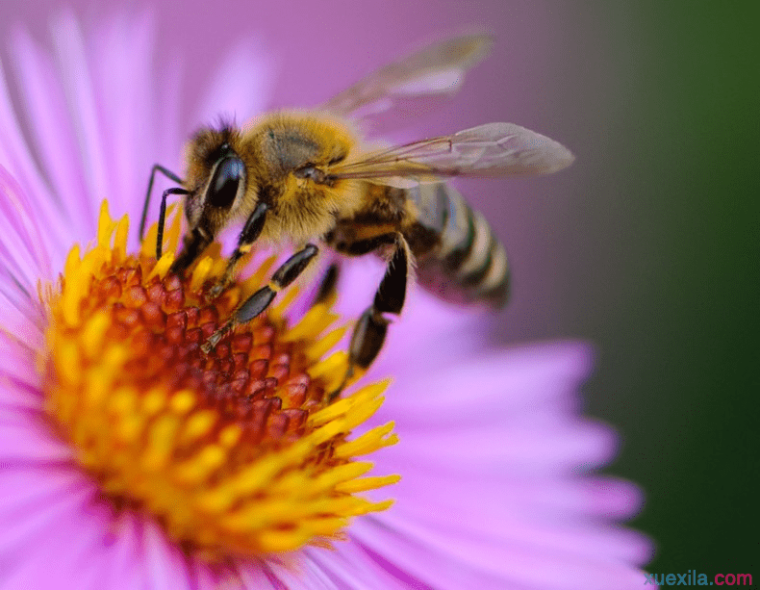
{"x":216,"y":178}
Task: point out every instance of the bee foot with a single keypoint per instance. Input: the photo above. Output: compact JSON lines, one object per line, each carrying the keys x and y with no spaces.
{"x":210,"y":344}
{"x":216,"y":290}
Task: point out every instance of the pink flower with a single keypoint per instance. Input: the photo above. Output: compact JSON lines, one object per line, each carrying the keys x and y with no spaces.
{"x":497,"y":489}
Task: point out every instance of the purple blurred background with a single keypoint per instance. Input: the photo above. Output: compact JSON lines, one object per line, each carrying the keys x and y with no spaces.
{"x":319,"y":48}
{"x":639,"y":247}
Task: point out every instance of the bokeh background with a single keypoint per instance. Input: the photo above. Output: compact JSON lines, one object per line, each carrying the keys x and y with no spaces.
{"x":648,"y":246}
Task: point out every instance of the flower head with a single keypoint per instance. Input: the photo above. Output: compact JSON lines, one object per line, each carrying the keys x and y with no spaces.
{"x":238,"y":453}
{"x":128,"y":459}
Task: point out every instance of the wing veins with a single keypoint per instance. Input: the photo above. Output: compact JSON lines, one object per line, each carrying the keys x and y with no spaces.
{"x":495,"y":149}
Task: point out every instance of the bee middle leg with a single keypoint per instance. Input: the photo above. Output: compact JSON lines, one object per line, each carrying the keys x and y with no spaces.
{"x":261,"y":299}
{"x":369,"y":333}
{"x":251,"y":232}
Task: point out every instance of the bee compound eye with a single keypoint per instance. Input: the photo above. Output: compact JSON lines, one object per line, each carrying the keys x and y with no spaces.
{"x":228,"y":176}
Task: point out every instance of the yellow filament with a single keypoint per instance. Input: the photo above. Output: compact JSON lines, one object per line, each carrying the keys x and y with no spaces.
{"x":220,"y":486}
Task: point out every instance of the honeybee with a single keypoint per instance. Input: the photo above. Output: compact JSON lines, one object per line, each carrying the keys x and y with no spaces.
{"x":308,"y":177}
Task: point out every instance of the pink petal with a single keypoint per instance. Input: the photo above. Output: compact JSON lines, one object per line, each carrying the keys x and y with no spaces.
{"x":20,"y":337}
{"x":23,"y":251}
{"x":84,"y":111}
{"x":552,"y":445}
{"x":494,"y":383}
{"x":18,"y":161}
{"x":501,"y":497}
{"x":53,"y":135}
{"x":56,"y":544}
{"x":31,"y":496}
{"x":302,"y":575}
{"x":422,"y":561}
{"x":232,"y":94}
{"x":121,"y":554}
{"x":19,"y":383}
{"x":610,"y":498}
{"x":26,"y":443}
{"x":123,"y":82}
{"x":497,"y":565}
{"x":257,"y":576}
{"x":356,"y":569}
{"x":569,"y":536}
{"x":165,"y":568}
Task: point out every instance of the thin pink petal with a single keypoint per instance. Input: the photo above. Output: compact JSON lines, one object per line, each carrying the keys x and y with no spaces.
{"x":123,"y":82}
{"x":424,"y":562}
{"x":61,"y":555}
{"x":29,"y":512}
{"x":555,"y":446}
{"x":501,"y":497}
{"x":29,"y":491}
{"x":568,"y":536}
{"x":610,"y":498}
{"x":166,"y":116}
{"x":20,"y":399}
{"x":302,"y":575}
{"x":234,"y":95}
{"x":22,"y":246}
{"x":121,"y":553}
{"x":494,"y":383}
{"x":84,"y":110}
{"x":258,"y":576}
{"x":53,"y":134}
{"x":356,"y":569}
{"x":17,"y":159}
{"x":23,"y":317}
{"x":454,"y":562}
{"x":26,"y":443}
{"x":19,"y":382}
{"x":165,"y":569}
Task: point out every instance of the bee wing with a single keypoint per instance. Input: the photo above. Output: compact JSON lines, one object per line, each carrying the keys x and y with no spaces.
{"x":411,"y":84}
{"x":495,"y":149}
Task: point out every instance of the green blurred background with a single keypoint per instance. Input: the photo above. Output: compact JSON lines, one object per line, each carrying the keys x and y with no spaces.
{"x":648,"y":246}
{"x":676,"y":243}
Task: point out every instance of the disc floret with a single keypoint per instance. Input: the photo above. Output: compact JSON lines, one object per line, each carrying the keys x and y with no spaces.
{"x":237,"y":452}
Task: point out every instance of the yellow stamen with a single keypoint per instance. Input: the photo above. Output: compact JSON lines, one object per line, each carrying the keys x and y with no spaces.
{"x":235,"y":453}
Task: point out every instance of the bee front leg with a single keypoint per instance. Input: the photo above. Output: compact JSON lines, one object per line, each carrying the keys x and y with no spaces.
{"x":370,"y":331}
{"x":261,"y":299}
{"x":193,"y":244}
{"x":146,"y":204}
{"x":251,"y":232}
{"x":162,"y":218}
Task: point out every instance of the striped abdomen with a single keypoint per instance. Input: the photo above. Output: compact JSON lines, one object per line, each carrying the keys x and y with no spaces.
{"x":458,"y":256}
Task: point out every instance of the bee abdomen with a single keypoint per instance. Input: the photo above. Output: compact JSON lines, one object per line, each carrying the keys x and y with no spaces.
{"x":465,"y":263}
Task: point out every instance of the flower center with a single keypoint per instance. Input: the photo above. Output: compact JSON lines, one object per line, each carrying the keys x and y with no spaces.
{"x":235,"y":453}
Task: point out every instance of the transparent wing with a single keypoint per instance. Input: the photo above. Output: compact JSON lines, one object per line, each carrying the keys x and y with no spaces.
{"x":413,"y":84}
{"x":495,"y":149}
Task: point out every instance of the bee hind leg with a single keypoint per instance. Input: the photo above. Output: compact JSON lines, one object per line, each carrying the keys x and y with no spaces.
{"x":369,"y":333}
{"x":328,"y":288}
{"x":261,"y":299}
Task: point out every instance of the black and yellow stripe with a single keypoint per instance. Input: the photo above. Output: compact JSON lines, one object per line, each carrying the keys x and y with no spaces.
{"x":458,"y":256}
